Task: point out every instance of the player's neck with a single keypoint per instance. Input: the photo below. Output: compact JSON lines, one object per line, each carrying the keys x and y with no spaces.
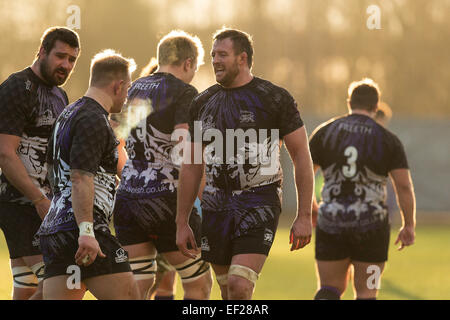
{"x":176,"y":71}
{"x":241,"y":79}
{"x":363,"y":112}
{"x":101,"y":97}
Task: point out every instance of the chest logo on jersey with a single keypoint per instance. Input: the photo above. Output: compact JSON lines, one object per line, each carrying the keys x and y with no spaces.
{"x":246,"y":117}
{"x":46,"y":118}
{"x":28,"y":85}
{"x":208,"y":123}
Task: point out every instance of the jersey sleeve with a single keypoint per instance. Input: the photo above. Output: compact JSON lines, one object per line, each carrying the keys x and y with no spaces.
{"x":14,"y":106}
{"x":289,"y":116}
{"x":315,"y":146}
{"x":182,"y":105}
{"x":90,"y":136}
{"x":193,"y":116}
{"x":398,"y":159}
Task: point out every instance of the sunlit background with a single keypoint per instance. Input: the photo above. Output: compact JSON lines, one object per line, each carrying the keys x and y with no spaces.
{"x":313,"y":48}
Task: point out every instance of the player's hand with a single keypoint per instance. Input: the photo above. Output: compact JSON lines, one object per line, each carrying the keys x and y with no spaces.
{"x":301,"y":231}
{"x":42,"y":207}
{"x":88,"y":249}
{"x":185,"y":236}
{"x":406,"y":236}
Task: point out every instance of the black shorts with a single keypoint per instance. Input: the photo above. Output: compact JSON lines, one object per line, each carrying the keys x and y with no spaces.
{"x":369,"y":246}
{"x":20,"y":224}
{"x":59,"y":253}
{"x":241,"y":231}
{"x":142,"y":220}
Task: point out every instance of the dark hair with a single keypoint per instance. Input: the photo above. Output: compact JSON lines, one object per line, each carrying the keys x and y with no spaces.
{"x":242,"y":42}
{"x":364,"y":95}
{"x":66,"y":35}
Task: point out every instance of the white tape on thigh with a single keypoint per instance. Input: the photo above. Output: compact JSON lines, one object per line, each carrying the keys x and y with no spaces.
{"x":244,"y":272}
{"x":144,"y":268}
{"x":192,"y":269}
{"x":38,"y":270}
{"x":24,"y":278}
{"x":222,"y":279}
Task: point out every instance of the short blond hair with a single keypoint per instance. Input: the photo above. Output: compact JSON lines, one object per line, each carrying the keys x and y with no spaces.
{"x":109,"y":65}
{"x":177,"y":46}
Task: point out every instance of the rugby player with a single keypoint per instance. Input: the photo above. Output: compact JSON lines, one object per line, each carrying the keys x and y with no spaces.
{"x":145,"y":209}
{"x":83,"y":159}
{"x":356,"y":156}
{"x":241,"y":202}
{"x":30,"y":102}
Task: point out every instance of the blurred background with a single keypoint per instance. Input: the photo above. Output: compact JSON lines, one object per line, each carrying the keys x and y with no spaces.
{"x":312,"y":48}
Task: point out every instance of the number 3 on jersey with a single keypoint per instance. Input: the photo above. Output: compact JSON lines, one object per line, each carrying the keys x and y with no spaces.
{"x":349,"y":170}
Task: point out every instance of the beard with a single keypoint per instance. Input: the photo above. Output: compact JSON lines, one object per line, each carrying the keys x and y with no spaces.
{"x":229,"y":76}
{"x":50,"y":75}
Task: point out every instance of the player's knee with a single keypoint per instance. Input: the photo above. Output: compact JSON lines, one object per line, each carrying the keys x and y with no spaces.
{"x":24,"y":278}
{"x":144,"y":268}
{"x":196,"y":278}
{"x":192,"y":270}
{"x":241,"y":282}
{"x":328,"y":293}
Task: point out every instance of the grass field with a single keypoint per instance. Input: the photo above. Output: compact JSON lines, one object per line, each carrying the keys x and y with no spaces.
{"x":418,"y":272}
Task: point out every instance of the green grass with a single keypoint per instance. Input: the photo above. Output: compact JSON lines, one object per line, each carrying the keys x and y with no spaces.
{"x":418,"y":272}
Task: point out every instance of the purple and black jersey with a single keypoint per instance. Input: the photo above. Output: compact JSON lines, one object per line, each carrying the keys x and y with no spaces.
{"x":356,"y":155}
{"x":260,"y":112}
{"x":28,"y":109}
{"x":151,"y":170}
{"x":82,"y":139}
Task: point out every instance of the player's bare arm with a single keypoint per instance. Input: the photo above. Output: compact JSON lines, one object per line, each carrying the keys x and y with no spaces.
{"x":315,"y":206}
{"x":16,"y":173}
{"x":188,"y":188}
{"x":83,"y":203}
{"x":407,"y":203}
{"x":298,"y":148}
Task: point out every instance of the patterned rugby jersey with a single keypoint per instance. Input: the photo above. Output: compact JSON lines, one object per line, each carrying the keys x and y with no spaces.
{"x":153,"y":166}
{"x":28,"y":109}
{"x":259,"y":110}
{"x":356,"y":155}
{"x":82,"y":139}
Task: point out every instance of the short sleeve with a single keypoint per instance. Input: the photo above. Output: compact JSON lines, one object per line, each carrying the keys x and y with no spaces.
{"x":193,"y":116}
{"x":289,"y":117}
{"x":398,"y":159}
{"x":182,"y":105}
{"x":90,"y":136}
{"x":14,"y":106}
{"x":315,"y":145}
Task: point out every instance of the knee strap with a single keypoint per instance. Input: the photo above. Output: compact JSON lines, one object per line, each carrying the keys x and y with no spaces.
{"x":23,"y":277}
{"x":222,"y":279}
{"x":244,"y":272}
{"x":192,"y":269}
{"x":144,"y":268}
{"x":38,"y":270}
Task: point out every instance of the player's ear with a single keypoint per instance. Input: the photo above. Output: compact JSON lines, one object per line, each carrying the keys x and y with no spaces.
{"x":243,"y":57}
{"x":187,"y":65}
{"x":42,"y":52}
{"x":118,"y":84}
